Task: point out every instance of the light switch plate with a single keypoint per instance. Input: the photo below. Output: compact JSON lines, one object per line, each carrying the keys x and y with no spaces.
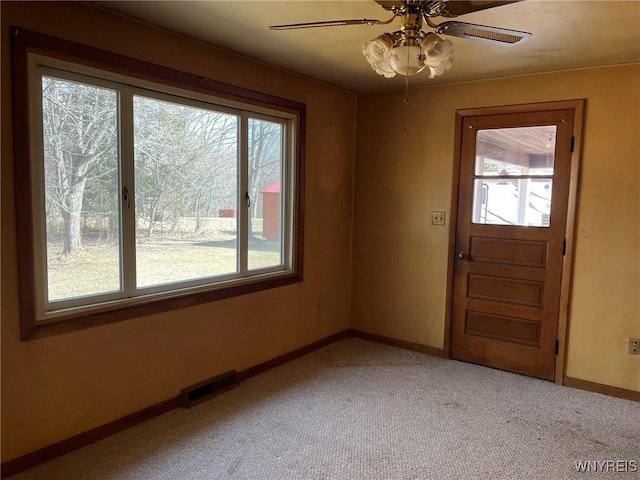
{"x":438,"y":218}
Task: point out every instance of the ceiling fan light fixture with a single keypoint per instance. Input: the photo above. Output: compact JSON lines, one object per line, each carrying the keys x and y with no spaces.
{"x":408,"y":56}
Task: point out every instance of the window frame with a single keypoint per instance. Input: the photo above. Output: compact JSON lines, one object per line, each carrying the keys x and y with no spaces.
{"x":162,"y":81}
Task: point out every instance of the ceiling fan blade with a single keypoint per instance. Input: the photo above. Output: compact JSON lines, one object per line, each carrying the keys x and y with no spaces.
{"x":483,"y":33}
{"x":328,"y":23}
{"x":459,"y":7}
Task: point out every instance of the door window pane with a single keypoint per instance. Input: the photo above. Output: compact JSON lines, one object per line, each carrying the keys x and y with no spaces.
{"x":82,"y":226}
{"x":514,"y":176}
{"x":186,"y":181}
{"x":265,"y":191}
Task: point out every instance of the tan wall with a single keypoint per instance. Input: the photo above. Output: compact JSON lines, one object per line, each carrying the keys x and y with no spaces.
{"x":404,"y":171}
{"x":60,"y":386}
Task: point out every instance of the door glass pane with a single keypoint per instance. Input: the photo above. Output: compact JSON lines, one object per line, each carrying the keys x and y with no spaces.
{"x":82,"y":226}
{"x":514,"y":176}
{"x":265,"y":191}
{"x":186,"y":180}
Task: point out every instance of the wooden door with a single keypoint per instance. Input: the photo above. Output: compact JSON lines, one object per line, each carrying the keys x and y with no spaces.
{"x":510,"y":239}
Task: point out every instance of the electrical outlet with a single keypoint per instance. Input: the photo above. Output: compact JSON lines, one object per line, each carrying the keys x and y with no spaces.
{"x":438,"y":218}
{"x":634,"y":346}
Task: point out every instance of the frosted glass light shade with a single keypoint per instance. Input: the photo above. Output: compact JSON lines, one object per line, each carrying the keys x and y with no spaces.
{"x":439,"y":52}
{"x":384,"y":68}
{"x":407,"y":60}
{"x":377,"y":50}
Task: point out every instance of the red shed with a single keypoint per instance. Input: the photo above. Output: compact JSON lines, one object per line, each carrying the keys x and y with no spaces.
{"x":271,"y":211}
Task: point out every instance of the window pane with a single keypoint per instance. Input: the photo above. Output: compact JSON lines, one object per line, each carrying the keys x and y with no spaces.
{"x":80,"y":143}
{"x":265,"y":190}
{"x":516,"y":151}
{"x":186,"y":183}
{"x":525,"y":202}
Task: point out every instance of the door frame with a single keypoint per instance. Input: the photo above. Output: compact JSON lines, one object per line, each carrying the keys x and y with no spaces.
{"x":578,"y":106}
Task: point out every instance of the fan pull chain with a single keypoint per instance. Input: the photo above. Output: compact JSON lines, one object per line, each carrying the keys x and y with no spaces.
{"x":406,"y":81}
{"x":406,"y":89}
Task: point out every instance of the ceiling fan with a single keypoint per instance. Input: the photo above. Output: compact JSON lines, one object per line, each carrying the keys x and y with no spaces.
{"x":410,"y":50}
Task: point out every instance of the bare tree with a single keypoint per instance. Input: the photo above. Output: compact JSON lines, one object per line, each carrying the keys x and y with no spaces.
{"x":80,"y":144}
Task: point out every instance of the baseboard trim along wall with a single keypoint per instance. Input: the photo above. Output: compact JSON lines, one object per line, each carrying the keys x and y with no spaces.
{"x":601,"y":388}
{"x":11,"y":467}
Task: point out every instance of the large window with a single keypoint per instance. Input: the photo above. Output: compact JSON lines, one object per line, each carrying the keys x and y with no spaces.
{"x":144,"y":192}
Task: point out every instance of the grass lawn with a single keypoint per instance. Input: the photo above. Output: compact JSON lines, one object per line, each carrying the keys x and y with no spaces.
{"x":97,"y":268}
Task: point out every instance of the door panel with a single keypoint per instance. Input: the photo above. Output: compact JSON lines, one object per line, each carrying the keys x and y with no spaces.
{"x":512,"y":211}
{"x":504,"y":289}
{"x":499,"y":327}
{"x":508,"y":251}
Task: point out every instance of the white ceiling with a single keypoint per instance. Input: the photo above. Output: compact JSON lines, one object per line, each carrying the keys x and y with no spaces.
{"x":566,"y":35}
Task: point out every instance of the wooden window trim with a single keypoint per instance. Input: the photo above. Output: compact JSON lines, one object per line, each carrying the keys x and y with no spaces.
{"x":25,"y":42}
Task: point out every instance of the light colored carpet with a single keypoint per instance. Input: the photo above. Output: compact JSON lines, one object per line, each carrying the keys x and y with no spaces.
{"x":360,"y":410}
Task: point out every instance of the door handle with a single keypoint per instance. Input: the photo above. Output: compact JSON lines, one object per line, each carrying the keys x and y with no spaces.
{"x":461,"y":255}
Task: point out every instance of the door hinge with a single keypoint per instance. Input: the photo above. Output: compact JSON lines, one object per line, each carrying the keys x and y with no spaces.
{"x":564,"y":246}
{"x":557,"y":346}
{"x":573,"y":143}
